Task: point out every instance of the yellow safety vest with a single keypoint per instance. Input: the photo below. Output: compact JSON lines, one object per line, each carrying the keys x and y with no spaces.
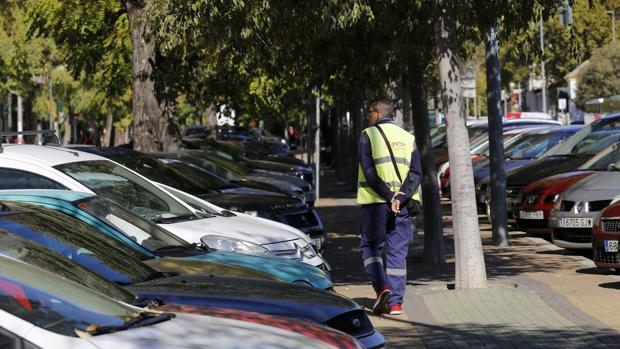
{"x":403,"y":144}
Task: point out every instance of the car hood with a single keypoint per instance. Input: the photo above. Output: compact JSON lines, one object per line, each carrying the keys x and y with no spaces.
{"x":274,"y":298}
{"x":187,"y":331}
{"x":247,"y":199}
{"x":557,"y":181}
{"x":260,"y":175}
{"x":598,"y":186}
{"x":275,"y":182}
{"x":544,"y":167}
{"x":200,"y":265}
{"x":285,"y":160}
{"x":241,"y":226}
{"x":288,"y":270}
{"x":336,"y":338}
{"x":270,"y":166}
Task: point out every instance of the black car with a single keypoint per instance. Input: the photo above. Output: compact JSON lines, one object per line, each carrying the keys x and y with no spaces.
{"x":84,"y":255}
{"x":269,"y":205}
{"x":255,"y":156}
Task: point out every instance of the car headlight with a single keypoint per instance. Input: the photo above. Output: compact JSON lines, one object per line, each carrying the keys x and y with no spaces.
{"x":307,"y":251}
{"x":551,"y":198}
{"x":223,"y":243}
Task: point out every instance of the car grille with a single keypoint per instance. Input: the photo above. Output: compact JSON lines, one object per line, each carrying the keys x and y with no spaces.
{"x":578,"y":235}
{"x":606,"y":257}
{"x":513,"y":191}
{"x":596,"y":206}
{"x":567,"y":205}
{"x":611,"y":225}
{"x":532,"y":223}
{"x":305,"y":219}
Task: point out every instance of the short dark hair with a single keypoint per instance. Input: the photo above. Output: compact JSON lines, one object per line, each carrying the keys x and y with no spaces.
{"x":383,"y":106}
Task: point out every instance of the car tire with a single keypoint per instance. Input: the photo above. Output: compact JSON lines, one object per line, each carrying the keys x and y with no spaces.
{"x":487,"y":205}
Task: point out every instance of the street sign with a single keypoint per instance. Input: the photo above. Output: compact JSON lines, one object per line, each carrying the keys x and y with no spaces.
{"x":562,"y":103}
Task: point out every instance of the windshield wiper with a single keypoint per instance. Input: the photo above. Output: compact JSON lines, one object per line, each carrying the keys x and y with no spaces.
{"x":142,"y":319}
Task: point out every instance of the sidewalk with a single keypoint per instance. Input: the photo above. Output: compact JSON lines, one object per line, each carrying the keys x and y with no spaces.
{"x":539,"y":295}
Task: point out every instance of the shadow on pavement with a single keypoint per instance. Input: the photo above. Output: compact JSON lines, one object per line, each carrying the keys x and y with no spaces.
{"x":475,"y":335}
{"x":611,"y":285}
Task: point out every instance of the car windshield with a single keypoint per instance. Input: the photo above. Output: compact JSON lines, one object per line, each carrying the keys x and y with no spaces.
{"x":211,"y":167}
{"x":32,"y":253}
{"x":143,"y":231}
{"x":591,"y":139}
{"x":199,"y":175}
{"x":482,"y":148}
{"x":534,"y":145}
{"x":116,"y":183}
{"x":158,"y":171}
{"x":221,"y":160}
{"x":56,"y":304}
{"x":78,"y":241}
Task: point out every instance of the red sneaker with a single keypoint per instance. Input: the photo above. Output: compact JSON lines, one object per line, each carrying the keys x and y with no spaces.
{"x":383,"y":297}
{"x":396,"y":309}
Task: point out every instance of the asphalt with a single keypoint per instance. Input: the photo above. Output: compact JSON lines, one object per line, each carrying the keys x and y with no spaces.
{"x":539,"y":295}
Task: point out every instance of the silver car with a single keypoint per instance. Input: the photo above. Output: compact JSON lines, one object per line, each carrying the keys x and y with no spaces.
{"x":574,"y":213}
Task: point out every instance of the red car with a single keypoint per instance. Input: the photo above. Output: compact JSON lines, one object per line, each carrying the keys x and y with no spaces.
{"x":536,"y":200}
{"x":605,"y":235}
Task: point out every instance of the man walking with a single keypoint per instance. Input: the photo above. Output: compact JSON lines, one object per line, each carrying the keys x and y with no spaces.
{"x":388,"y":176}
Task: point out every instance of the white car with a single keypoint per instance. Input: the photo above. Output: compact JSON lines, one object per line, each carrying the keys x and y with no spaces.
{"x":41,"y":310}
{"x":51,"y":167}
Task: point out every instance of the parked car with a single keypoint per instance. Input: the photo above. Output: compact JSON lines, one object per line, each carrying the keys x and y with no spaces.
{"x":72,"y":241}
{"x":534,"y":203}
{"x":605,"y":235}
{"x":278,"y":164}
{"x":163,"y":250}
{"x":39,"y":167}
{"x":254,"y":202}
{"x":41,"y":310}
{"x":564,"y":157}
{"x":237,"y":175}
{"x":519,"y":151}
{"x":573,"y":215}
{"x":476,"y":129}
{"x":513,"y":142}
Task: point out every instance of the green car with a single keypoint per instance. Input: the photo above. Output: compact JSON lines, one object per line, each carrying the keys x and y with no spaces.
{"x":163,"y":250}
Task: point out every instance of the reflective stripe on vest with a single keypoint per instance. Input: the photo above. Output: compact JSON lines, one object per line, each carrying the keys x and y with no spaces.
{"x":403,"y":144}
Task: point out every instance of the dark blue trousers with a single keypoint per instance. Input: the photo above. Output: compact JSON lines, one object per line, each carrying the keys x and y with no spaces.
{"x":381,"y":228}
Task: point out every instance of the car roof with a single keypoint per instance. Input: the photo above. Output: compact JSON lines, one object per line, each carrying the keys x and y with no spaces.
{"x":49,"y":155}
{"x":66,"y":195}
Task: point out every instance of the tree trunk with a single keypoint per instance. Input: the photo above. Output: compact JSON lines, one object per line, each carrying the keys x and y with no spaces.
{"x":155,"y":129}
{"x":434,"y":248}
{"x":470,"y":268}
{"x":211,"y":122}
{"x":107,"y":133}
{"x":499,"y":221}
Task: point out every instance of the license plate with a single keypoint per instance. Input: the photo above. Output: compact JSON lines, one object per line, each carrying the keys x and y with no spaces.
{"x":576,"y":223}
{"x":611,"y":245}
{"x":531,"y":215}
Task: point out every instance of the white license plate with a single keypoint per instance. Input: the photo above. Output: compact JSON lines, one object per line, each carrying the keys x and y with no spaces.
{"x":576,"y":223}
{"x":611,"y":245}
{"x":531,"y":215}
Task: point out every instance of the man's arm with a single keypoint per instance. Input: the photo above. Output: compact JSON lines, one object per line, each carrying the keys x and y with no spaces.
{"x":414,"y":176}
{"x":368,"y":168}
